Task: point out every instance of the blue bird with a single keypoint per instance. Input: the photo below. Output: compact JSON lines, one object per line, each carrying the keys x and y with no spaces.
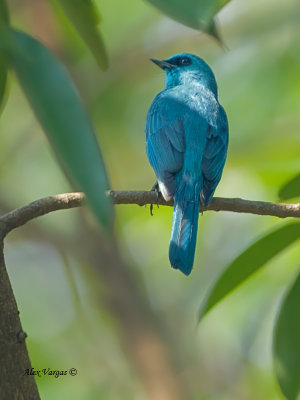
{"x":186,"y":142}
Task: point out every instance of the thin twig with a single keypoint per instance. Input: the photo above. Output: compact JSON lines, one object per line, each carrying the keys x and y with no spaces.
{"x":64,"y":201}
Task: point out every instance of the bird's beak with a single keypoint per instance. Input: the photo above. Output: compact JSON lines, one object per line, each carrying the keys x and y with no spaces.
{"x":162,"y":63}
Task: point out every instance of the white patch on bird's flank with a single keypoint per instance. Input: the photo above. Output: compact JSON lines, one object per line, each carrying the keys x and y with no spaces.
{"x":164,"y":191}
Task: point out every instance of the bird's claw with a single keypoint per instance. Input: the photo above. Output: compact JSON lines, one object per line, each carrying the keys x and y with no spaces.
{"x":155,"y":188}
{"x":202,"y":205}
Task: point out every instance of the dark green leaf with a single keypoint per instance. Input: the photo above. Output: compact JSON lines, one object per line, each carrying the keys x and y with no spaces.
{"x":4,"y":15}
{"x":290,"y":189}
{"x":247,"y":263}
{"x":85,"y":17}
{"x":197,"y":14}
{"x":57,"y":105}
{"x":286,"y":347}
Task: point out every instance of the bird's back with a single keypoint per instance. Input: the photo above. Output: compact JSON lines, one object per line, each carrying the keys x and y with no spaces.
{"x":186,"y":141}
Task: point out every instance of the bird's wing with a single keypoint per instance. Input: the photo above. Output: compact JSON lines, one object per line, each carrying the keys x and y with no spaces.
{"x":165,"y":141}
{"x":214,"y":157}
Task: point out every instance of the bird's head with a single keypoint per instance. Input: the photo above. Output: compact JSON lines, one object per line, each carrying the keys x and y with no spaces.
{"x":186,"y":68}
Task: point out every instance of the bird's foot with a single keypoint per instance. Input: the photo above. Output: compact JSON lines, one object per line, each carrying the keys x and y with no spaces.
{"x":155,"y":188}
{"x":202,"y":205}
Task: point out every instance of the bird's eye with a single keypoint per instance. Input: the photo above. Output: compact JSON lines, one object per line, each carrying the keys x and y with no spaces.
{"x":185,"y":61}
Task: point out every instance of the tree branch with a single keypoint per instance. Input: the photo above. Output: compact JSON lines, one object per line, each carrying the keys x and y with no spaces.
{"x":64,"y":201}
{"x":20,"y":216}
{"x":280,"y":210}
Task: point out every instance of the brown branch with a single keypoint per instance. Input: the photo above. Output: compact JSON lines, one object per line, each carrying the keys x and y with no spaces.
{"x":14,"y":382}
{"x":280,"y":210}
{"x":64,"y":201}
{"x":22,"y":215}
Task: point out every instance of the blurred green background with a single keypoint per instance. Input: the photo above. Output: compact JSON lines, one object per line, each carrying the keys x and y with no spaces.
{"x":62,"y":300}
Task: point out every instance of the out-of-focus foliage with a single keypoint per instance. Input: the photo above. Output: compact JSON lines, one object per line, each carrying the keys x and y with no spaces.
{"x":85,"y":18}
{"x":286,"y":343}
{"x":290,"y":189}
{"x":198,"y":14}
{"x":229,"y":357}
{"x":249,"y":262}
{"x":4,"y":20}
{"x":58,"y":108}
{"x":4,"y":15}
{"x":3,"y":80}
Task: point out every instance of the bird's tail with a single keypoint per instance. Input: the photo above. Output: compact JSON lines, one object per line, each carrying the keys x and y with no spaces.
{"x":185,"y":226}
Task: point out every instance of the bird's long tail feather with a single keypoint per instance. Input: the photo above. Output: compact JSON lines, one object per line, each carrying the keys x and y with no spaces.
{"x":185,"y":226}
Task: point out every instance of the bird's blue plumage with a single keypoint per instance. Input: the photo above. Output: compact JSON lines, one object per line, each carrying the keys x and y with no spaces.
{"x":186,"y":142}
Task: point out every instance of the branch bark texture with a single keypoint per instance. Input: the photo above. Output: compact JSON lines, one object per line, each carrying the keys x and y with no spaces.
{"x":64,"y":201}
{"x":14,"y":383}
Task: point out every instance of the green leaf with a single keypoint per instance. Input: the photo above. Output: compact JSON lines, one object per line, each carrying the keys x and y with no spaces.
{"x":197,"y":14}
{"x":85,"y":17}
{"x":286,"y":345}
{"x":3,"y":81}
{"x":290,"y":189}
{"x":247,"y":263}
{"x":56,"y":104}
{"x":4,"y":14}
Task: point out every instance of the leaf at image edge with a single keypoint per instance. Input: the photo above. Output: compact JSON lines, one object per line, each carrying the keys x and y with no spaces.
{"x":56,"y":104}
{"x":85,"y":17}
{"x":248,"y":262}
{"x":4,"y":14}
{"x":3,"y":82}
{"x":197,"y":14}
{"x":290,"y":189}
{"x":286,"y":343}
